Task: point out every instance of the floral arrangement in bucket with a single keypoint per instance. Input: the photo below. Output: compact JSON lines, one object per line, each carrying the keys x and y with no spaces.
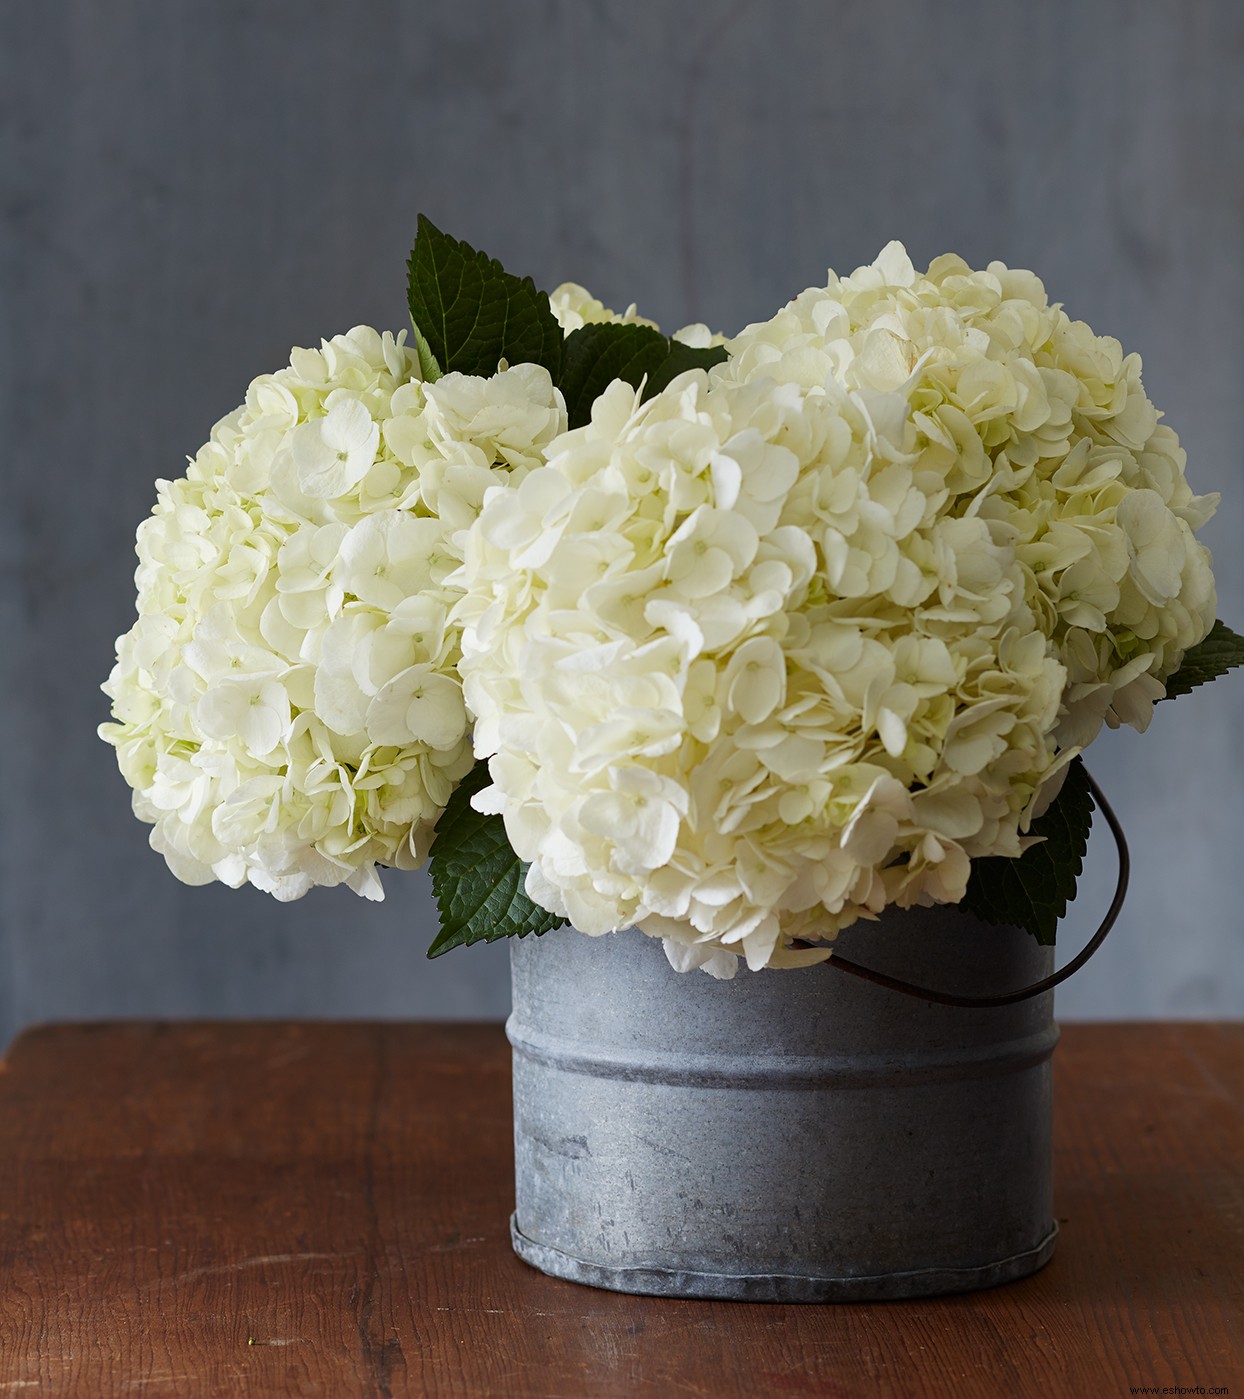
{"x":739,"y":642}
{"x":756,"y":637}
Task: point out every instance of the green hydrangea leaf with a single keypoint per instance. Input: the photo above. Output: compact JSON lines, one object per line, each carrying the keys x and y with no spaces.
{"x":1221,"y":651}
{"x":428,"y":366}
{"x":681,"y":358}
{"x":470,"y":312}
{"x":595,"y":355}
{"x":1033,"y":891}
{"x":477,"y":878}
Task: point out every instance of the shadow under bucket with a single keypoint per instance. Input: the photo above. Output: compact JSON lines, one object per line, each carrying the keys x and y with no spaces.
{"x":788,"y":1136}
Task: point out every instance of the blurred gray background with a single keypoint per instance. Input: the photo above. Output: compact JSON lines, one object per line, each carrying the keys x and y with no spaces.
{"x":190,"y":189}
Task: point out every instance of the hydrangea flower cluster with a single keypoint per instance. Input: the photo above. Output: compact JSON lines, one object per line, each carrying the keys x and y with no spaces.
{"x":1042,"y":427}
{"x":795,"y":640}
{"x":790,"y":641}
{"x":287,"y":703}
{"x":575,"y":306}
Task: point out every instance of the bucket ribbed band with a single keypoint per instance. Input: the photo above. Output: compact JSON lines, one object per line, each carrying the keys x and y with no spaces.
{"x":788,"y":1071}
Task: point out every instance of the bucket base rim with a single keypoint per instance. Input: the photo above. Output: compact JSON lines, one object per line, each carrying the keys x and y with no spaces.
{"x":780,"y":1287}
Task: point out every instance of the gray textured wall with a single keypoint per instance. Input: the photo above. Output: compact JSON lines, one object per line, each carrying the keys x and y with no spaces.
{"x":189,"y":189}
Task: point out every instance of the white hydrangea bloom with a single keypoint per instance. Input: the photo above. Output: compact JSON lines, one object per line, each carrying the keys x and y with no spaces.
{"x":1038,"y":426}
{"x":575,"y":306}
{"x":287,"y":703}
{"x":743,"y":676}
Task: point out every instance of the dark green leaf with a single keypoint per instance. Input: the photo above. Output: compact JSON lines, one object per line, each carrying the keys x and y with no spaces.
{"x":471,"y":312}
{"x":1033,"y":891}
{"x":596,"y":355}
{"x":477,"y":878}
{"x":681,"y":358}
{"x":1221,"y":651}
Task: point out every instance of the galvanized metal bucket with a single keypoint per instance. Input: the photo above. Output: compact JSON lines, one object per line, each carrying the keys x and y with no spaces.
{"x":788,"y":1136}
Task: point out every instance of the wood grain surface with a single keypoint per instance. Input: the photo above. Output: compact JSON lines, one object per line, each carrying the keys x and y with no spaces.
{"x":290,"y":1208}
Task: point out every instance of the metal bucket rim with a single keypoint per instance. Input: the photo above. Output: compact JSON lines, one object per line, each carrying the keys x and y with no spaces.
{"x":781,"y":1287}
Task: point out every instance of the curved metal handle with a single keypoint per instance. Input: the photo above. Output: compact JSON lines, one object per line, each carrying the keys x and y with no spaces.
{"x":1038,"y":988}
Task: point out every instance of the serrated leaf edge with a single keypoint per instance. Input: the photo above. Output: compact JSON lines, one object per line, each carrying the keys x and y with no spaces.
{"x":1205,"y":666}
{"x":458,"y":909}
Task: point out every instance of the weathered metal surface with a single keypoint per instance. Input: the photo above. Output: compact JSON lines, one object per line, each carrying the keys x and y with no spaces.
{"x":785,"y":1136}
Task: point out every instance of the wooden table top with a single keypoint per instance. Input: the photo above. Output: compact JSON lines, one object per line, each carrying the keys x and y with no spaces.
{"x":271,"y":1209}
